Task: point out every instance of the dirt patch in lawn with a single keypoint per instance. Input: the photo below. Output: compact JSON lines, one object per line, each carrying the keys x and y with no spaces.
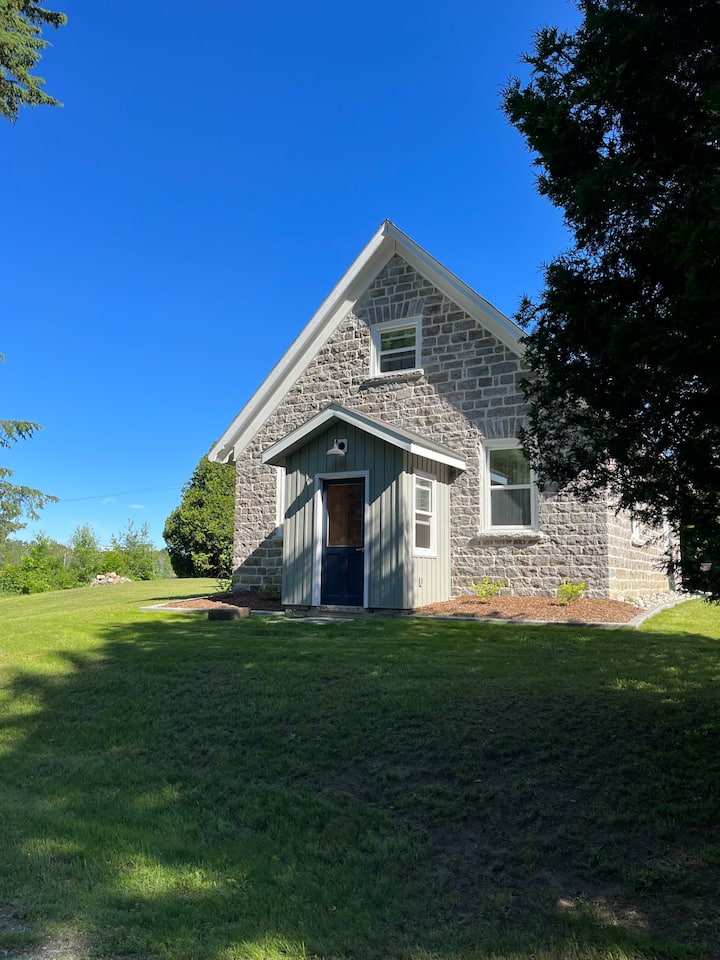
{"x":546,"y":609}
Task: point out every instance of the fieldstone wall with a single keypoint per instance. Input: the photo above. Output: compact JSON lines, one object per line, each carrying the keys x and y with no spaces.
{"x":571,"y":543}
{"x":467,"y":390}
{"x":257,"y":551}
{"x":636,"y":562}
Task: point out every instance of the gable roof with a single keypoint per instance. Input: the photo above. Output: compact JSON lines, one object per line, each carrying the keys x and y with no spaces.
{"x":397,"y":436}
{"x":388,"y":241}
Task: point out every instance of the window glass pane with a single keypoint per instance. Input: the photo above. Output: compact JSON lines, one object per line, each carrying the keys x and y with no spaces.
{"x":422,"y":534}
{"x":510,"y":508}
{"x":423,"y":495}
{"x":405,"y":360}
{"x":508,"y":467}
{"x":397,"y":339}
{"x":424,"y":514}
{"x":345,"y":510}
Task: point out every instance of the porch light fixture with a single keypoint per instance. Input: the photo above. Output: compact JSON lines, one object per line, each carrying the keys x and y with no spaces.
{"x":338,"y":449}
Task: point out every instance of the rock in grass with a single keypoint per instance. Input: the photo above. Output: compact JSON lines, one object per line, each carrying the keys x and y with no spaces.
{"x":229,"y":613}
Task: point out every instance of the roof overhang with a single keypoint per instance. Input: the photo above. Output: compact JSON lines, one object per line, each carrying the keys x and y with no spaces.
{"x":277,"y":454}
{"x":386,"y":242}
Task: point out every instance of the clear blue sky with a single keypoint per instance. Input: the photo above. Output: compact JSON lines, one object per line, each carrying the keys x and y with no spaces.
{"x":216,"y":167}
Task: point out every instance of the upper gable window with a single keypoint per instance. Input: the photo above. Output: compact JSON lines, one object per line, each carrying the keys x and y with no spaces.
{"x":395,"y":346}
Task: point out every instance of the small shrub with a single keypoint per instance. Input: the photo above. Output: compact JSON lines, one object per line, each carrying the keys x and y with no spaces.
{"x":270,"y":591}
{"x":131,"y":553}
{"x":224,"y":583}
{"x":86,"y":561}
{"x":224,"y":578}
{"x":11,"y":580}
{"x":223,"y":575}
{"x":486,"y":588}
{"x":569,"y":591}
{"x":40,"y":570}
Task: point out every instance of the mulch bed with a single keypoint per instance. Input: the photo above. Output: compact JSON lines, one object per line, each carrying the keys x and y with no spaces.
{"x":226,"y":601}
{"x":546,"y":609}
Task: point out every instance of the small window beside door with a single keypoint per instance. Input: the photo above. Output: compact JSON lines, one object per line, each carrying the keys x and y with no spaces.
{"x":425,"y":516}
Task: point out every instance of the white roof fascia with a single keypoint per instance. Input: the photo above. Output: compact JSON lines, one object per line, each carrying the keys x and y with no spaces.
{"x":459,"y":292}
{"x":387,"y":241}
{"x":382,"y":432}
{"x":318,"y":330}
{"x":430,"y":454}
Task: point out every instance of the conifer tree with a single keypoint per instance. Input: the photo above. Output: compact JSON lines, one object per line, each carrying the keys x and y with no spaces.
{"x":17,"y":502}
{"x":21,"y":46}
{"x":623,"y":119}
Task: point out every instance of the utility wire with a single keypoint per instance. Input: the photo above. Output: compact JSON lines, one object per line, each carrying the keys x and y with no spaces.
{"x":125,"y":493}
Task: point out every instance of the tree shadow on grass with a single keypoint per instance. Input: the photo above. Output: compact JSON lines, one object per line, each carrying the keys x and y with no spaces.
{"x":389,"y":789}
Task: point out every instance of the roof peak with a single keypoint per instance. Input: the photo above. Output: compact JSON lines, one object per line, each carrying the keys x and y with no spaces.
{"x":387,"y":241}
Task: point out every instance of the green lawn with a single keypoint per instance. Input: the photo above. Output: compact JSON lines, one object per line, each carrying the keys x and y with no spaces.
{"x":387,"y":788}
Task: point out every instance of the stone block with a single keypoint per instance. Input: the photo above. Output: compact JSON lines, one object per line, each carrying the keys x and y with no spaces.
{"x":229,"y":613}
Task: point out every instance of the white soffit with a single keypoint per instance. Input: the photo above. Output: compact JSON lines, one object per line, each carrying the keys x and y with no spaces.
{"x":386,"y":242}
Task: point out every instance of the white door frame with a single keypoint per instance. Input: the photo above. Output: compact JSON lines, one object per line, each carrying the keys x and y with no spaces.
{"x":318,"y":531}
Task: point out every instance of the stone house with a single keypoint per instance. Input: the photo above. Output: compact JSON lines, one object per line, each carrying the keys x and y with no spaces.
{"x":378,"y":464}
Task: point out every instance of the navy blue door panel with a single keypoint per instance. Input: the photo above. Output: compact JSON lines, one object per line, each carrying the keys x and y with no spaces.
{"x":343,"y":551}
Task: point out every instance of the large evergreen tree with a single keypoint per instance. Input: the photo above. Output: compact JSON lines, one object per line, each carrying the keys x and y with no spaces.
{"x":21,"y":46}
{"x":623,"y":117}
{"x":199,"y":533}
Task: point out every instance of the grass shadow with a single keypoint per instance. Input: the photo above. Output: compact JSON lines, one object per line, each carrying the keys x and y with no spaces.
{"x":385,"y":788}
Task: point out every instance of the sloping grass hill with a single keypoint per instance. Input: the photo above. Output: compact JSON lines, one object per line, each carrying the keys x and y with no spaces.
{"x":384,"y":788}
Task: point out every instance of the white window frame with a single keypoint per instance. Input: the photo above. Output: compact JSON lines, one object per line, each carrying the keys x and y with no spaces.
{"x":427,"y":480}
{"x":377,"y":354}
{"x":510,"y":443}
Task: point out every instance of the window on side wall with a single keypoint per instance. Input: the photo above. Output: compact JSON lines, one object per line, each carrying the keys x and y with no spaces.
{"x":425,"y":516}
{"x":637,"y":531}
{"x":510,"y":491}
{"x":395,"y":346}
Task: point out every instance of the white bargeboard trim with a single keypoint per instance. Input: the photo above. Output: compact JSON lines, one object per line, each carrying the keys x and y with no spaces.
{"x":386,"y":242}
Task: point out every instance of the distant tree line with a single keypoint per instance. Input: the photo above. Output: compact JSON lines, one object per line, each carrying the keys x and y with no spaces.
{"x":43,"y":564}
{"x":198,"y":534}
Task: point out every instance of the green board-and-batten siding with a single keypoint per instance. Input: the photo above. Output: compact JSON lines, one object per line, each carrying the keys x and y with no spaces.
{"x":395,"y":578}
{"x":384,"y":554}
